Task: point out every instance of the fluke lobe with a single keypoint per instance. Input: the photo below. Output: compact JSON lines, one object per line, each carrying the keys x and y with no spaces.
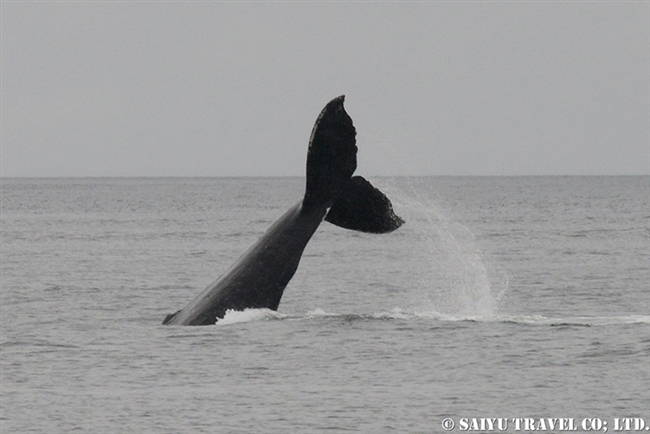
{"x":258,"y":278}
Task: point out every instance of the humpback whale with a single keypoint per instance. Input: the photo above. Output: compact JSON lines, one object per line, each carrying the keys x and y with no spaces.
{"x":258,"y":278}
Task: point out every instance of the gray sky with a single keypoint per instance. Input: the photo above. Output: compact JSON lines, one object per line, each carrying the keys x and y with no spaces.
{"x":221,"y":89}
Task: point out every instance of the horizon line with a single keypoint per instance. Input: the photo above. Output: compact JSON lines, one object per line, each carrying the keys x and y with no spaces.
{"x":303,"y":176}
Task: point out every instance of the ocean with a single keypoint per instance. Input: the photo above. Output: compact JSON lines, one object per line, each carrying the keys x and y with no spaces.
{"x":522,"y":299}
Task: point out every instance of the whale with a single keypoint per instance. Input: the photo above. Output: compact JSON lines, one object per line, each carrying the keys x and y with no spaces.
{"x":259,"y":277}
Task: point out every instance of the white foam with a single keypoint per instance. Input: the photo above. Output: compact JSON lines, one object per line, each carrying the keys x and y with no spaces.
{"x":318,"y":312}
{"x":249,"y":315}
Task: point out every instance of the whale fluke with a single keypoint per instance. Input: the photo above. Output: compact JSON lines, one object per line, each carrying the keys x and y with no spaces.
{"x":362,"y":207}
{"x":331,"y":161}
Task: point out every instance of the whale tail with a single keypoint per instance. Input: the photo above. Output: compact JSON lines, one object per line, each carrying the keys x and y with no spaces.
{"x":331,"y":160}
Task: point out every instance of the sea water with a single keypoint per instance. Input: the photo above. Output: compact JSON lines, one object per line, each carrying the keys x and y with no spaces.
{"x":517,"y":297}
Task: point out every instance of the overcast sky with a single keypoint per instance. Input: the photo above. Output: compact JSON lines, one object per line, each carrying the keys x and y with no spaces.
{"x":222,"y":89}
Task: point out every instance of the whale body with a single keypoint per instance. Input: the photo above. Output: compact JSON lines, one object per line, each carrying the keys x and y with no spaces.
{"x":258,"y":278}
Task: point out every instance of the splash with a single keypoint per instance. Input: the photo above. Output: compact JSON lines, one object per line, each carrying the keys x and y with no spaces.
{"x":449,"y":275}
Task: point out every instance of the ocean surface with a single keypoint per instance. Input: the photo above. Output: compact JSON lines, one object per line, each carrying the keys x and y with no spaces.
{"x":514,"y":297}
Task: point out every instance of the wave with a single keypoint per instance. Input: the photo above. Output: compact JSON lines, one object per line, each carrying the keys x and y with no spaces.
{"x":255,"y":315}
